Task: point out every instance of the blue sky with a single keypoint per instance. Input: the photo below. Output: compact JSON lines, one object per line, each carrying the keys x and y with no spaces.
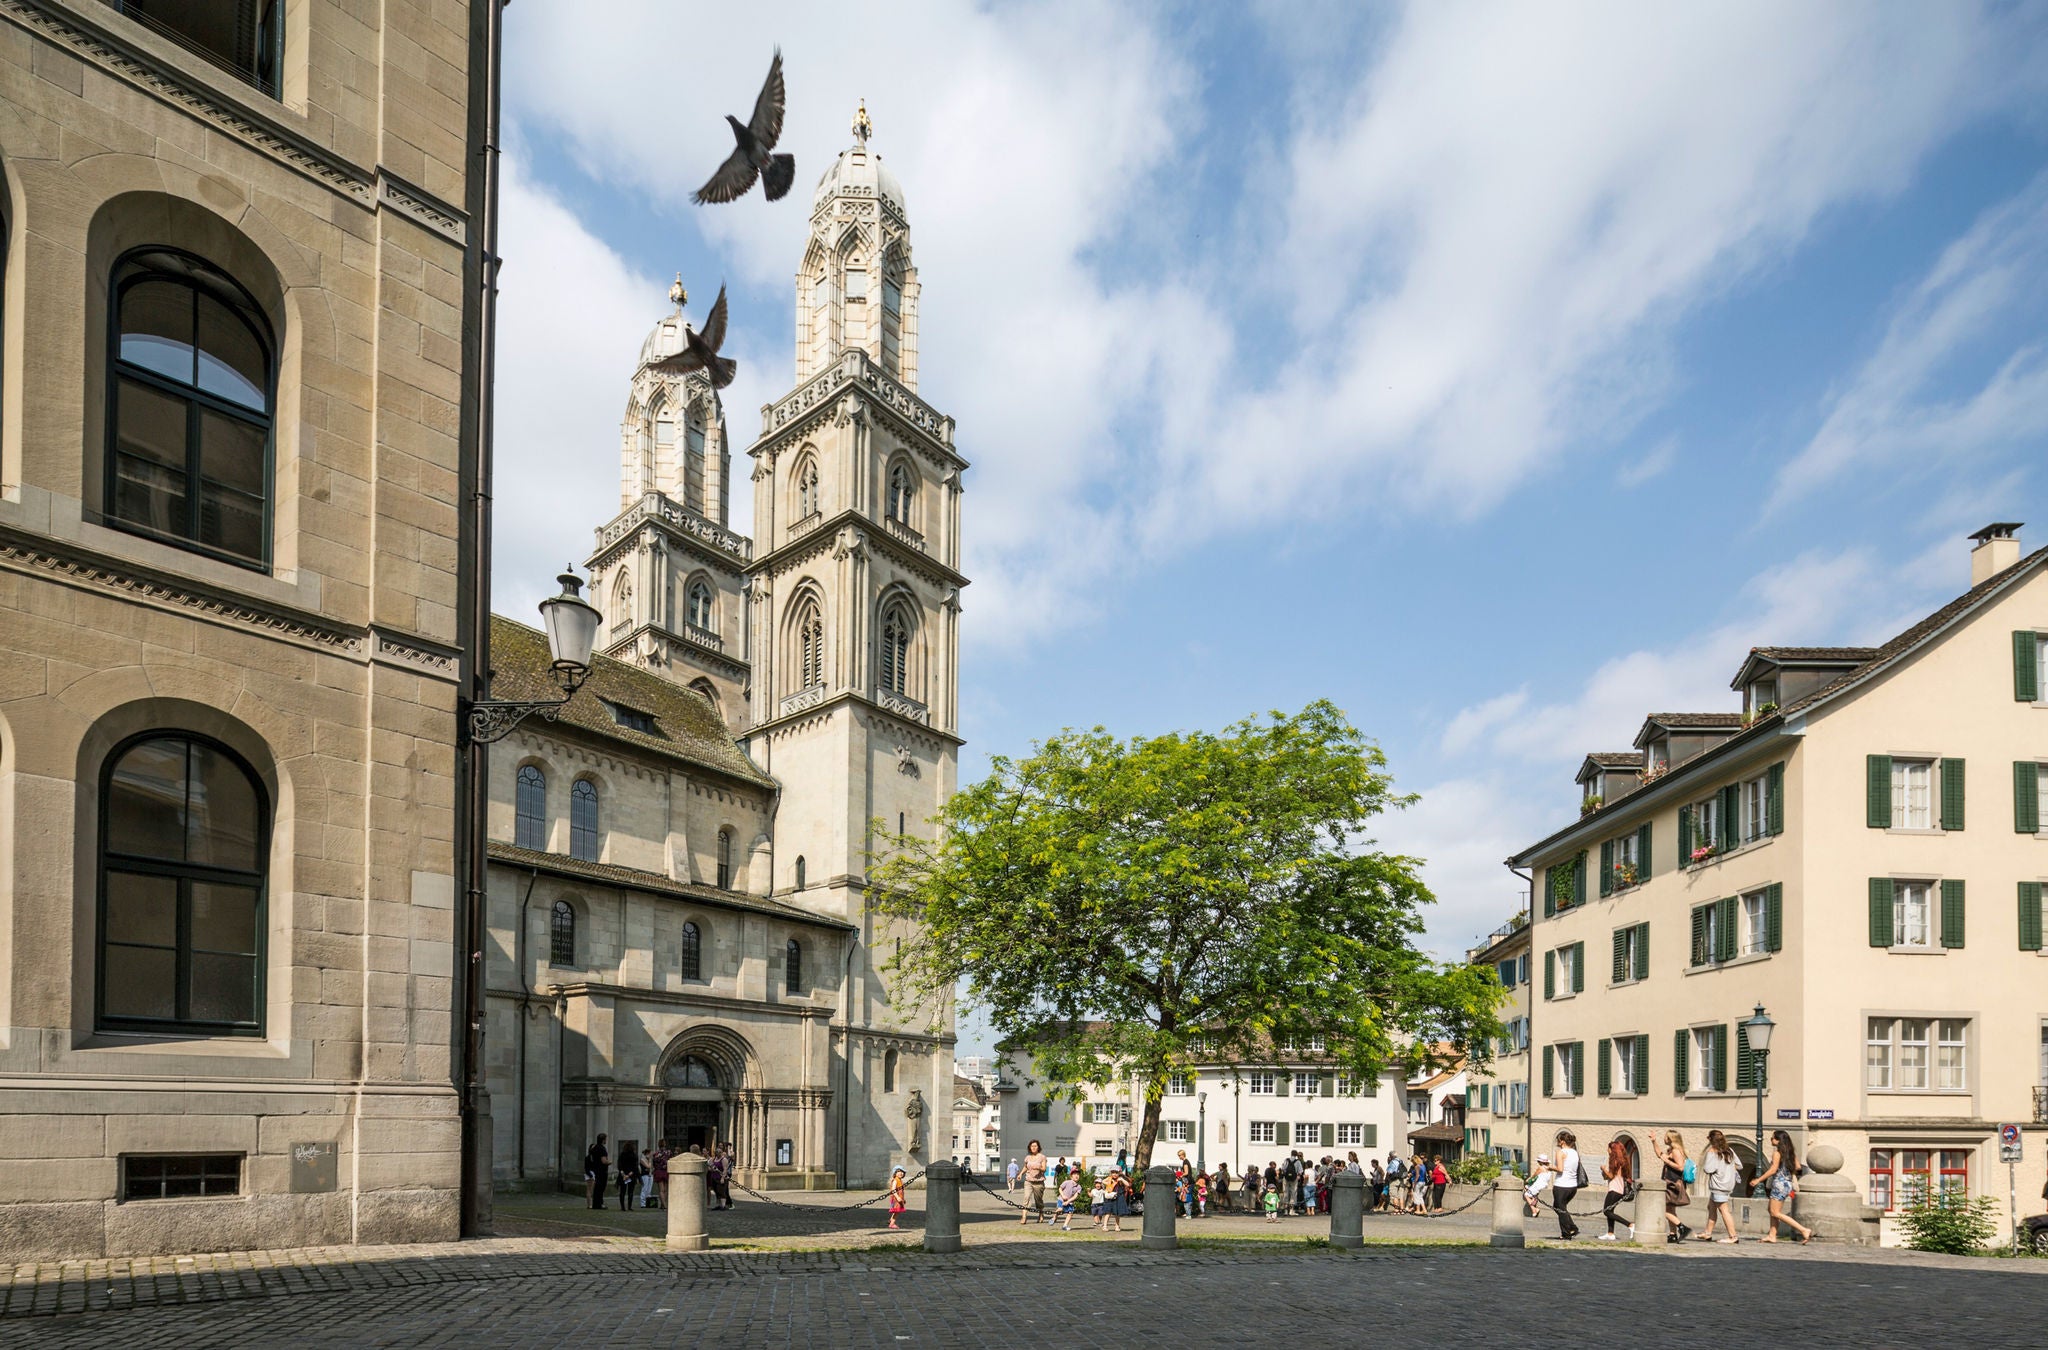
{"x":1500,"y":372}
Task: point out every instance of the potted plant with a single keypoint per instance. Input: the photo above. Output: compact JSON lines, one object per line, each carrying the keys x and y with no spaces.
{"x":1625,"y":874}
{"x":1702,"y":852}
{"x":1588,"y":805}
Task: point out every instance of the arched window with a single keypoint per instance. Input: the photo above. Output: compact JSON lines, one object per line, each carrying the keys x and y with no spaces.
{"x":184,"y":840}
{"x":583,"y":820}
{"x":799,"y":871}
{"x":793,"y":967}
{"x":807,"y":489}
{"x":562,"y":934}
{"x":810,"y":646}
{"x":725,"y":860}
{"x":693,"y":952}
{"x":892,"y":313}
{"x":710,"y":693}
{"x":699,"y":611}
{"x":622,"y":603}
{"x":902,"y":492}
{"x":895,"y":653}
{"x":889,"y":1071}
{"x":530,"y":822}
{"x":689,"y":1072}
{"x":189,"y":407}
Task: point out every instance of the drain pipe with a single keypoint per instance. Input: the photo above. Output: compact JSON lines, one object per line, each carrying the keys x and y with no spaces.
{"x":525,"y":1010}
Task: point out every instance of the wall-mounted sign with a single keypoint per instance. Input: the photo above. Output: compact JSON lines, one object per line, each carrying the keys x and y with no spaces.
{"x":1817,"y":1113}
{"x":1788,"y":1113}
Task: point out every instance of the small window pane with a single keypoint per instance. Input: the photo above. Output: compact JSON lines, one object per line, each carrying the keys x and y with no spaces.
{"x":146,"y":801}
{"x":223,"y":820}
{"x":231,"y":521}
{"x":156,"y":328}
{"x":231,"y":451}
{"x":224,"y":918}
{"x":142,"y":910}
{"x":223,"y":988}
{"x":232,"y":364}
{"x":141,"y":982}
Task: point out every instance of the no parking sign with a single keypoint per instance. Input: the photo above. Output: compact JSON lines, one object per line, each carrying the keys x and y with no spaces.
{"x":2009,"y":1143}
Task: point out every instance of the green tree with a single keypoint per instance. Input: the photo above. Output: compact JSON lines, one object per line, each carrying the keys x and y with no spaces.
{"x":1135,"y":907}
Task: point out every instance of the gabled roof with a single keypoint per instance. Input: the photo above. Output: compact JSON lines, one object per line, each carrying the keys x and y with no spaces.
{"x":1669,"y":722}
{"x":1612,"y":759}
{"x":1887,"y":656}
{"x":690,"y":729}
{"x":1807,"y":657}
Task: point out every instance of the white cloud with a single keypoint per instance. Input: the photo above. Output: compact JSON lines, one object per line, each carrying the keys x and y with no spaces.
{"x":1895,"y":413}
{"x":1463,"y":828}
{"x":1472,"y":723}
{"x":1660,"y":459}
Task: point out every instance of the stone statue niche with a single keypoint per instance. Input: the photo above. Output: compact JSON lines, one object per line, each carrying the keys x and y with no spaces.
{"x":913,"y":1114}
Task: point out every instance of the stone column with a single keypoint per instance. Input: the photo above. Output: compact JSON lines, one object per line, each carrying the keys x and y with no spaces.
{"x":1159,"y":1209}
{"x":1650,"y":1229}
{"x":1507,"y":1212}
{"x":1347,"y":1210}
{"x":686,"y":1231}
{"x":942,"y":1207}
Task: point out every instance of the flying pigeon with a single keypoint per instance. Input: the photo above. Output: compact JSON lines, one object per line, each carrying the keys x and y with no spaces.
{"x":700,"y":350}
{"x":750,"y":158}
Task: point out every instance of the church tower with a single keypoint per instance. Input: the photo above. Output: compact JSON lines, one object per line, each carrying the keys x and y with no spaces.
{"x":668,"y":572}
{"x":853,"y":621}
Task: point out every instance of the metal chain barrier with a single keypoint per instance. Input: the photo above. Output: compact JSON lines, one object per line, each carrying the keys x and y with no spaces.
{"x":826,"y":1209}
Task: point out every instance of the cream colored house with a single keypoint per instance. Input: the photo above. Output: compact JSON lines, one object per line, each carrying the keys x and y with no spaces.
{"x":1497,"y":1096}
{"x":681,"y":942}
{"x":1859,"y":850}
{"x":234,"y":382}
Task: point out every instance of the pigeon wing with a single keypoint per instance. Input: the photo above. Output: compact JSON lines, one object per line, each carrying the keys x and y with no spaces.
{"x":776,"y":176}
{"x":682,"y":363}
{"x":713,"y":331}
{"x":766,"y":123}
{"x":731,"y":181}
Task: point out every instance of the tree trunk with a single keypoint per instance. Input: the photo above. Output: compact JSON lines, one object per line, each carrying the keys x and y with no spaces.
{"x":1148,"y":1132}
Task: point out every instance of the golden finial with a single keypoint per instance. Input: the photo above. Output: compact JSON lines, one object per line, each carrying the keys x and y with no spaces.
{"x":862,"y":127}
{"x":676,"y":294}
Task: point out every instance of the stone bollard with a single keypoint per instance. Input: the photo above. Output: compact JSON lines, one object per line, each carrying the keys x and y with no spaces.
{"x":1507,"y":1211}
{"x":1831,"y":1204}
{"x":1159,"y":1209}
{"x":1650,"y":1229}
{"x":942,"y":1207}
{"x":1347,"y":1210}
{"x":686,"y":1203}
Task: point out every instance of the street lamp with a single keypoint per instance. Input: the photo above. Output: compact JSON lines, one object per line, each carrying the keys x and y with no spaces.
{"x":1759,"y":1026}
{"x":571,"y":624}
{"x":1202,"y":1133}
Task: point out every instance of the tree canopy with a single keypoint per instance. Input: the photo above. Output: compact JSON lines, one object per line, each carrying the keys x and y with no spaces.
{"x":1134,"y":908}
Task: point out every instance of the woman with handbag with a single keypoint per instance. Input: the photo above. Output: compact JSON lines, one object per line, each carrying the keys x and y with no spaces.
{"x":1779,"y":1182}
{"x":1677,"y":1175}
{"x":1621,"y":1186}
{"x":1570,"y":1172}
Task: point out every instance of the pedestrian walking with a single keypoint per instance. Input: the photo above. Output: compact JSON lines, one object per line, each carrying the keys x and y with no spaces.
{"x":1571,"y":1175}
{"x":1621,"y":1186}
{"x":1723,"y":1177}
{"x":1221,"y":1188}
{"x":1677,"y":1175}
{"x":629,"y":1173}
{"x":658,"y":1172}
{"x":1273,"y":1204}
{"x":1376,"y":1186}
{"x":898,"y":1201}
{"x":1308,"y":1192}
{"x":1439,"y":1181}
{"x":1780,"y":1182}
{"x":1070,"y":1192}
{"x":1418,"y":1185}
{"x":597,"y":1172}
{"x":1539,"y":1181}
{"x":1014,"y":1169}
{"x":1098,"y":1203}
{"x":1119,"y":1198}
{"x":1035,"y":1163}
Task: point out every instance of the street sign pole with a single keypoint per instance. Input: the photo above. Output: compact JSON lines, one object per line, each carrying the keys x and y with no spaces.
{"x":2009,"y":1148}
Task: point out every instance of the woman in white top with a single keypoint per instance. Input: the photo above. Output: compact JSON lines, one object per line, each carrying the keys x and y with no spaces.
{"x":1567,"y":1184}
{"x":1717,"y":1164}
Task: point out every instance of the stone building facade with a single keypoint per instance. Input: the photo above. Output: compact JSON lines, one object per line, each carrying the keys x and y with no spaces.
{"x":761,"y":703}
{"x":231,"y":398}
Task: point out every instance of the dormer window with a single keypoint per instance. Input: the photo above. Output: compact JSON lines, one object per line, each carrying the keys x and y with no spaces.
{"x":632,"y":719}
{"x":1656,"y":757}
{"x":1763,"y":698}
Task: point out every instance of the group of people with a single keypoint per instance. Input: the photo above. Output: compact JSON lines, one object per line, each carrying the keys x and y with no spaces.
{"x":1565,"y":1175}
{"x":643,"y":1180}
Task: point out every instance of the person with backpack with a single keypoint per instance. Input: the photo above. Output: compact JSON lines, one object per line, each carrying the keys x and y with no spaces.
{"x":1621,"y":1187}
{"x":597,"y":1172}
{"x":1678,"y":1176}
{"x":1571,"y":1176}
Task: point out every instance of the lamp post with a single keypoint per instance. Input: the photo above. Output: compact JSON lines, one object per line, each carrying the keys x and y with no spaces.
{"x":1759,"y":1027}
{"x":1202,"y":1133}
{"x":571,"y":624}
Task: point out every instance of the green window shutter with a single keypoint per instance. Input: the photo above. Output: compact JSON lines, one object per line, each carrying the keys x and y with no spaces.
{"x":1731,"y":807}
{"x":1578,"y":967}
{"x":1642,"y":970}
{"x":1726,"y":944}
{"x":1606,"y":1067}
{"x":1700,"y":954}
{"x":1620,"y":955}
{"x":2030,"y":916}
{"x":1745,"y":1062}
{"x":1372,"y":1136}
{"x":1774,"y":798}
{"x":1684,"y":835}
{"x":1877,"y":773}
{"x":1881,"y":911}
{"x":1550,"y":975}
{"x":1643,"y":851}
{"x":1549,"y":1071}
{"x":1952,"y":913}
{"x":1721,"y":1061}
{"x":1607,"y":867}
{"x":1774,"y":917}
{"x":1327,"y":1085}
{"x":1549,"y":891}
{"x":1578,"y":1068}
{"x":2026,"y":796}
{"x":2026,"y":674}
{"x":1680,"y":1043}
{"x":1951,"y":794}
{"x":1640,"y":1079}
{"x":1329,"y":1136}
